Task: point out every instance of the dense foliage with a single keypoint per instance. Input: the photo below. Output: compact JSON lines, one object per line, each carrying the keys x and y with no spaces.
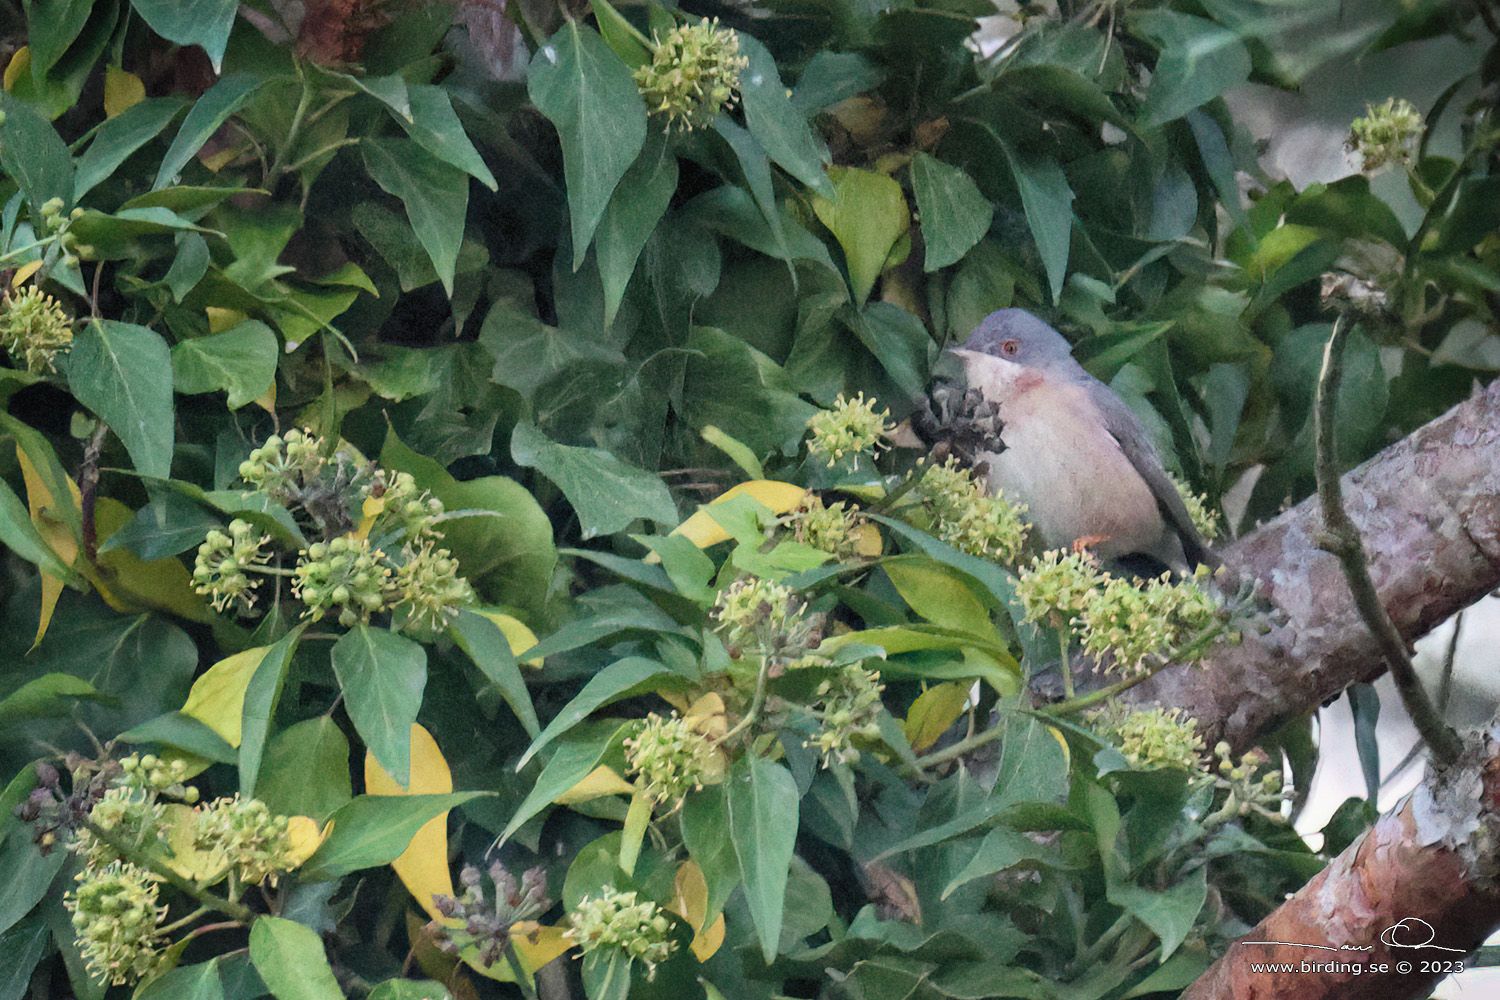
{"x":367,"y":359}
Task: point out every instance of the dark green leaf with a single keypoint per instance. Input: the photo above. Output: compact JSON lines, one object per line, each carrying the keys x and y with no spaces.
{"x":373,"y":830}
{"x":185,"y":733}
{"x":123,"y":373}
{"x":191,"y":982}
{"x":1048,"y":201}
{"x":776,"y":123}
{"x":1169,"y":914}
{"x":436,"y":128}
{"x":205,"y":23}
{"x":291,"y":960}
{"x":488,"y":647}
{"x":382,"y":675}
{"x":436,"y":196}
{"x":241,"y":360}
{"x":262,"y":695}
{"x":704,"y":818}
{"x":28,"y":875}
{"x":606,"y":493}
{"x":621,"y":679}
{"x":577,"y":753}
{"x":23,"y":947}
{"x":117,"y":236}
{"x":606,"y":974}
{"x":121,"y":136}
{"x":409,"y":989}
{"x":954,"y":212}
{"x":306,"y":770}
{"x":34,"y":155}
{"x":1199,"y":61}
{"x":528,"y":352}
{"x":763,"y":809}
{"x":220,"y":101}
{"x":19,"y":534}
{"x":589,"y":94}
{"x":635,"y":208}
{"x":53,"y":25}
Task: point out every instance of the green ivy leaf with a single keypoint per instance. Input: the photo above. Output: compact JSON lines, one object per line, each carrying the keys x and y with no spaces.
{"x":19,"y":534}
{"x":122,"y":135}
{"x":373,"y":830}
{"x":34,"y":155}
{"x":1199,"y":61}
{"x":622,"y":679}
{"x":306,"y":770}
{"x":954,"y":212}
{"x":490,"y":650}
{"x":211,"y":111}
{"x":382,"y":675}
{"x":606,"y":493}
{"x":262,"y":695}
{"x":123,"y":373}
{"x":1170,"y":914}
{"x":763,"y":819}
{"x":867,"y":214}
{"x":435,"y":126}
{"x":583,"y":87}
{"x":1048,"y":202}
{"x":291,"y":961}
{"x":241,"y":360}
{"x":204,"y":23}
{"x":638,"y":204}
{"x":577,"y":753}
{"x":52,"y":26}
{"x":436,"y":196}
{"x":775,"y":121}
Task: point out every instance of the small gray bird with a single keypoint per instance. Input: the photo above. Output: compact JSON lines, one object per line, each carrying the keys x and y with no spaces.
{"x":1073,"y":452}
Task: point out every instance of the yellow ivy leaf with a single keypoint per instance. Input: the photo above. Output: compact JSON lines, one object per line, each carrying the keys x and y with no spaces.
{"x":19,"y":63}
{"x":131,"y":584}
{"x":933,"y":712}
{"x":601,"y":781}
{"x":56,"y":533}
{"x":305,"y":837}
{"x":708,"y":716}
{"x":122,"y":90}
{"x":268,"y":401}
{"x":221,"y":319}
{"x":205,"y":867}
{"x":867,"y":541}
{"x":690,"y":902}
{"x":702,"y":530}
{"x":423,"y":866}
{"x":25,"y":271}
{"x":517,"y":634}
{"x":217,"y":699}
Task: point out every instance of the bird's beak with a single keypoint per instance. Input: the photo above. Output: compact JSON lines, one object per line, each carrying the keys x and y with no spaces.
{"x":991,"y":375}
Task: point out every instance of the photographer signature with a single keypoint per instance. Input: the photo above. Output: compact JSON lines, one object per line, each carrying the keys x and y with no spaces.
{"x":1404,"y":933}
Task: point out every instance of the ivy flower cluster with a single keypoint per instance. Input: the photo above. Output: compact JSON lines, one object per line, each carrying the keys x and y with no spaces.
{"x":848,"y":706}
{"x":766,"y":619}
{"x":851,"y":427}
{"x":694,"y":73}
{"x":669,"y":758}
{"x":1127,"y":620}
{"x":1387,"y":134}
{"x":117,"y":919}
{"x":34,"y":329}
{"x":1253,"y":787}
{"x":487,"y":920}
{"x":617,"y":921}
{"x":834,"y":530}
{"x":253,"y":842}
{"x":971,"y":519}
{"x":1204,"y":518}
{"x":394,"y":564}
{"x":1151,"y":738}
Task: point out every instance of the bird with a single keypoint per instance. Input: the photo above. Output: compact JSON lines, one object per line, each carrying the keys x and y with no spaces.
{"x":1072,"y":451}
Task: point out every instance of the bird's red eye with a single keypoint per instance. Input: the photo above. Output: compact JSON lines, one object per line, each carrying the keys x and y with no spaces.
{"x":1010,"y":347}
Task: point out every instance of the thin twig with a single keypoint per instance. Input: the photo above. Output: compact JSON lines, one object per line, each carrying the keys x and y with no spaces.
{"x":1341,"y":538}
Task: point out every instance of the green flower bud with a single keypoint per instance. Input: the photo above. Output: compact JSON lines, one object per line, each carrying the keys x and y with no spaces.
{"x":852,"y":427}
{"x":34,"y":329}
{"x":694,"y":74}
{"x":614,"y":920}
{"x":115,"y":917}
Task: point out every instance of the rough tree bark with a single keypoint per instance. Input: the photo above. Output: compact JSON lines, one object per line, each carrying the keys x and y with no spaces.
{"x":1428,"y":509}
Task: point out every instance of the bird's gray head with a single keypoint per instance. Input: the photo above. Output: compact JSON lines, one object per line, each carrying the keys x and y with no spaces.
{"x":1016,"y":336}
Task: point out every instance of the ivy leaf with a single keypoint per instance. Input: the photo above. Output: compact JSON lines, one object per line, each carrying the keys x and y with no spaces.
{"x":241,"y":360}
{"x":291,"y":961}
{"x":1048,"y":202}
{"x":205,"y":23}
{"x":1199,"y":61}
{"x":763,"y":817}
{"x":117,"y":138}
{"x":436,"y":196}
{"x":52,"y":26}
{"x":123,"y":373}
{"x":382,"y":675}
{"x":211,"y":111}
{"x":34,"y":155}
{"x":606,"y":493}
{"x":634,"y":210}
{"x":490,"y":649}
{"x":954,"y":213}
{"x":586,"y":91}
{"x":373,"y":830}
{"x":622,"y":679}
{"x":775,"y":121}
{"x":262,"y":694}
{"x":867,"y":214}
{"x":435,"y":126}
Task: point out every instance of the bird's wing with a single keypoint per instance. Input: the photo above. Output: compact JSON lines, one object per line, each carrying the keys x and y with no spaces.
{"x":1135,"y":442}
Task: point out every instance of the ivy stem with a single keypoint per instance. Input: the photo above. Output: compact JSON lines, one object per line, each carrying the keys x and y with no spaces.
{"x":1064,"y":662}
{"x":938,"y":453}
{"x":234,"y":911}
{"x":179,"y":924}
{"x":1340,"y":537}
{"x":753,"y":714}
